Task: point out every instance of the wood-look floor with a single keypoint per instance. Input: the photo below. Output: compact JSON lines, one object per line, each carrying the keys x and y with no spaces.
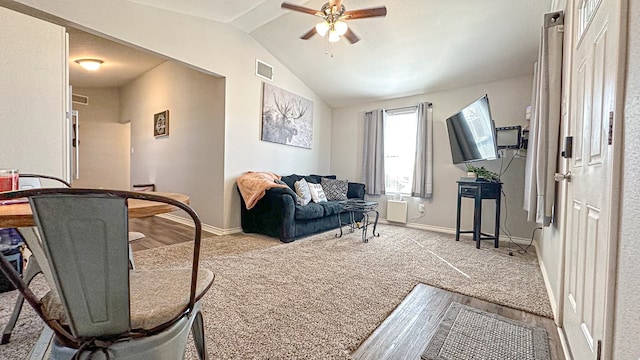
{"x":160,"y":232}
{"x":407,"y":331}
{"x":404,"y":334}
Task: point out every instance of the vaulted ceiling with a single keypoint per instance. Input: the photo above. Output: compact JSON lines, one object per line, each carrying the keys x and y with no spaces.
{"x":420,"y":46}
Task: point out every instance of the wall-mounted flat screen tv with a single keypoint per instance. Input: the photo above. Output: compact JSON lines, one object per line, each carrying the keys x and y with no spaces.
{"x":472,"y":134}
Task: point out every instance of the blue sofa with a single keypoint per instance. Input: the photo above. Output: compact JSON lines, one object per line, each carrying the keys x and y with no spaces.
{"x":278,"y":215}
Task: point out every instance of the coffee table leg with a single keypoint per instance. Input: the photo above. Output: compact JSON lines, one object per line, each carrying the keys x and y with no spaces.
{"x":365,"y":221}
{"x":352,"y":221}
{"x":339,"y":226}
{"x":375,"y":224}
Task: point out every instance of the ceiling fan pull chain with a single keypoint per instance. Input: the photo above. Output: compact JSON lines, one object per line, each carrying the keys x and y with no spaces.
{"x":328,"y":47}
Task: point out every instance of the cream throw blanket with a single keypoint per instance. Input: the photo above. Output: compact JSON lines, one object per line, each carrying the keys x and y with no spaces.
{"x":253,"y":186}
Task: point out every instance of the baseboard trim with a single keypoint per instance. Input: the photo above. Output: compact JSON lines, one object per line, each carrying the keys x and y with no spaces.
{"x":446,"y":230}
{"x":564,"y":343}
{"x":547,"y":283}
{"x":440,"y":229}
{"x":205,"y":227}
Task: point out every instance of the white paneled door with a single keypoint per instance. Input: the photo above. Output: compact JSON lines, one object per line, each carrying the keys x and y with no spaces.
{"x":590,"y":248}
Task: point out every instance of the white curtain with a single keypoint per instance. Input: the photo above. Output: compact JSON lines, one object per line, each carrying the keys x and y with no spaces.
{"x":373,"y":154}
{"x":422,"y":185}
{"x":544,"y":142}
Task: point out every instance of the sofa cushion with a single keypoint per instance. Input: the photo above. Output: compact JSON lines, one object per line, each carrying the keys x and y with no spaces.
{"x":335,"y":189}
{"x":331,"y":207}
{"x":302,"y":191}
{"x":309,"y":211}
{"x":290,"y":180}
{"x":317,"y":179}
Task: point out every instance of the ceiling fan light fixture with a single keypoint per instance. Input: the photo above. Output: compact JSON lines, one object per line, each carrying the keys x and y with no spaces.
{"x":322,"y":28}
{"x":90,"y":64}
{"x":335,"y":15}
{"x":333,"y":36}
{"x":341,"y":27}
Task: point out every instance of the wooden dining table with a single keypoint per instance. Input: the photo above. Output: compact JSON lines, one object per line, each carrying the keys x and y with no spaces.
{"x":20,"y":215}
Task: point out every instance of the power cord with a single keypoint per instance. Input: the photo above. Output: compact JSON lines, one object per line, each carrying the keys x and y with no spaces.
{"x":505,"y":230}
{"x":524,"y":250}
{"x":516,"y":154}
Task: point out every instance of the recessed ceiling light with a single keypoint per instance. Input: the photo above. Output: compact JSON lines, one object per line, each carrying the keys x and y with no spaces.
{"x":90,"y":64}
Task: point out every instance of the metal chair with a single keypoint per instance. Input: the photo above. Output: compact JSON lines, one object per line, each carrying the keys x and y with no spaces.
{"x":35,"y":181}
{"x":98,"y":307}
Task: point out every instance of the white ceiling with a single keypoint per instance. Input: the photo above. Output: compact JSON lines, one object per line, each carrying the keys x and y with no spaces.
{"x":121,"y":63}
{"x":420,"y":46}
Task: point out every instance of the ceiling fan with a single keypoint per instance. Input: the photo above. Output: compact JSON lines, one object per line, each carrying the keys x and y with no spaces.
{"x":334,"y":16}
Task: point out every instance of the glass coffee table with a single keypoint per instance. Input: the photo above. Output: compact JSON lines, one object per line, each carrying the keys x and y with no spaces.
{"x":366,"y":208}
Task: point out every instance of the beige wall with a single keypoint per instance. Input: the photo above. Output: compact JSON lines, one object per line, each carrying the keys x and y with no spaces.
{"x":627,"y":297}
{"x":508,"y":100}
{"x":32,"y":94}
{"x":190,"y":159}
{"x":104,"y":141}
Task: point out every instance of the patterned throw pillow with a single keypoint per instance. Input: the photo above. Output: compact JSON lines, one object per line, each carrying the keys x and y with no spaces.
{"x":317,"y":194}
{"x":335,"y":189}
{"x":302,"y":190}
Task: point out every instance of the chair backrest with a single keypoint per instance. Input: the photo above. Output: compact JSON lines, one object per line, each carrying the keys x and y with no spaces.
{"x":31,"y":236}
{"x":85,"y":240}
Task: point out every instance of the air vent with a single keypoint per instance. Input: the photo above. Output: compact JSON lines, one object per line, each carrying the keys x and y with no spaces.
{"x":264,"y":70}
{"x":80,"y":99}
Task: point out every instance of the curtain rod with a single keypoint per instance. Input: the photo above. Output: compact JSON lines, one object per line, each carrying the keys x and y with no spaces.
{"x":406,"y":108}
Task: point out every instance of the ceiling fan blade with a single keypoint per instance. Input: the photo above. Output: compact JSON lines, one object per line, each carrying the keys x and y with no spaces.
{"x":351,"y":36}
{"x":309,"y":34}
{"x":294,"y":7}
{"x":365,"y":13}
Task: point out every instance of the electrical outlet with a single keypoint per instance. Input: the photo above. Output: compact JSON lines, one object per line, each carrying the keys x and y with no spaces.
{"x":421,"y":208}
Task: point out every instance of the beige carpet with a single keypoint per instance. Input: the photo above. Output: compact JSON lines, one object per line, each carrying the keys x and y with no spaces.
{"x":320,"y":297}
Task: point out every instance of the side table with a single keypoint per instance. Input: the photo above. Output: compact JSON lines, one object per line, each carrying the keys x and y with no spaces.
{"x":479,"y":190}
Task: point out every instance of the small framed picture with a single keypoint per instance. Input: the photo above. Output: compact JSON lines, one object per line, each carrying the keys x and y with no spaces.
{"x":161,"y":124}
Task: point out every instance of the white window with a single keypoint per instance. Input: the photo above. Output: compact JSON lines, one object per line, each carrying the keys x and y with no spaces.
{"x":400,"y":128}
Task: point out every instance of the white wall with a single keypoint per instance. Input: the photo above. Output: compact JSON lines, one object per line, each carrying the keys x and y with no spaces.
{"x":104,"y":141}
{"x":32,"y":94}
{"x":220,"y":49}
{"x":627,"y":297}
{"x":508,"y":99}
{"x":190,"y":159}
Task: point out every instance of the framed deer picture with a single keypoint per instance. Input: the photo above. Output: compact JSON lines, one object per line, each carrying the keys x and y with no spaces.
{"x":286,"y":118}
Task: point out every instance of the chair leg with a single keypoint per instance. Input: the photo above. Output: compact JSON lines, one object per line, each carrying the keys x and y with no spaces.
{"x":132,"y":265}
{"x":30,"y":272}
{"x":197,"y":329}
